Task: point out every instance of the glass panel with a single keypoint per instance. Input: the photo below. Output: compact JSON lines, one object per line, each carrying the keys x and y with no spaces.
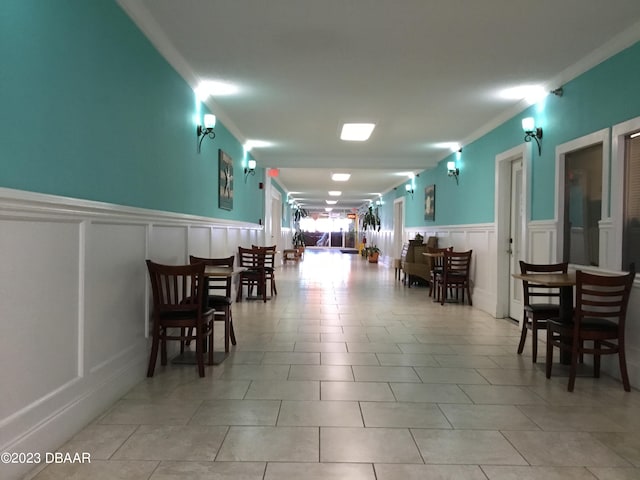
{"x":631,"y":234}
{"x":582,"y":205}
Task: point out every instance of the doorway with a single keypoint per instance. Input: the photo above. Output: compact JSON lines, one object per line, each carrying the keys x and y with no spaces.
{"x":398,"y":226}
{"x":511,"y":214}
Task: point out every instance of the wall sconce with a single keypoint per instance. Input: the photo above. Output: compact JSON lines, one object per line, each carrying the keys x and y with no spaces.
{"x":453,"y":171}
{"x":207,"y":129}
{"x":531,"y":132}
{"x":250,"y":169}
{"x":409,"y":189}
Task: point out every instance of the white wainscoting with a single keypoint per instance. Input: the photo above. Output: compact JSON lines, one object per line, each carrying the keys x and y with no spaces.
{"x":542,"y":248}
{"x":481,"y":238}
{"x":74,"y":306}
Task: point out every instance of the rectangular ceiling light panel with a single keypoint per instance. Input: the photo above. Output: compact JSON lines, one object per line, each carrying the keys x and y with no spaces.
{"x":356,"y":132}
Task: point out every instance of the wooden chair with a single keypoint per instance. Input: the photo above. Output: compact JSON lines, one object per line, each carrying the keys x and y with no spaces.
{"x":219,"y":295}
{"x":255,"y":273}
{"x":599,"y":318}
{"x":270,"y":266}
{"x":178,"y":306}
{"x":436,"y":268}
{"x":455,"y":275}
{"x":535,"y":313}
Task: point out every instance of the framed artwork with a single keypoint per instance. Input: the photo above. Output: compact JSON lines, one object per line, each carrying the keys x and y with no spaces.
{"x":225,"y":181}
{"x":430,"y":202}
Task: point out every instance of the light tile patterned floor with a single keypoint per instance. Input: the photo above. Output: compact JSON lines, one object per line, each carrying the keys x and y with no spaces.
{"x":347,"y":374}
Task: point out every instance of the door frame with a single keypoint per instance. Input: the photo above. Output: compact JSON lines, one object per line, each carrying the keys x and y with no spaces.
{"x":502,"y":216}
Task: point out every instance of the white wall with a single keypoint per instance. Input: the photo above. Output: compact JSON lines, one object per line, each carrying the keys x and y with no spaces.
{"x":74,"y":306}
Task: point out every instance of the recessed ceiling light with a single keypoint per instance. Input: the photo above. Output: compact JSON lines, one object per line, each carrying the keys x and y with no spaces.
{"x":335,"y":193}
{"x":357,"y":132}
{"x":340,"y":177}
{"x":331,"y":202}
{"x":327,"y":209}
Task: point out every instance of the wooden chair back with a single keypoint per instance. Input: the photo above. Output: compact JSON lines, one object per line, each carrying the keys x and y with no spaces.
{"x":176,"y":289}
{"x":217,"y":285}
{"x":531,"y":291}
{"x":602,"y":296}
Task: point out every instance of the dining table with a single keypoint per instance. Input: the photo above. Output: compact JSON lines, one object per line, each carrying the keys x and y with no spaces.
{"x":188,"y":357}
{"x":565,"y":283}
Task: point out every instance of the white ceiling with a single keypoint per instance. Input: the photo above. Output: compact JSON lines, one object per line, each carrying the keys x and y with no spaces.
{"x":425,"y":71}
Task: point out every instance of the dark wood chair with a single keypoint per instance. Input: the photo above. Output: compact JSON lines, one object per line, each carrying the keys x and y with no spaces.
{"x":456,"y":275}
{"x":436,"y":268}
{"x":255,"y":274}
{"x":599,"y":319}
{"x":270,"y":266}
{"x":178,"y":307}
{"x":535,"y":314}
{"x":219,"y":295}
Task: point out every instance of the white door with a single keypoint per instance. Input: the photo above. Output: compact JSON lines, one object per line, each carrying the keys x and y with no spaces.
{"x":515,"y":240}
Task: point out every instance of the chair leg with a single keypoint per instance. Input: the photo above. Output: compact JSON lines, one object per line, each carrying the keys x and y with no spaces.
{"x":622,"y":358}
{"x":549,"y":359}
{"x":210,"y":350}
{"x":239,"y":292}
{"x":469,"y":295}
{"x":534,"y":341}
{"x":232,"y":333}
{"x":523,"y":335}
{"x":163,"y":350}
{"x":199,"y":356}
{"x":154,"y":355}
{"x":227,"y":326}
{"x":573,"y":369}
{"x":596,"y":360}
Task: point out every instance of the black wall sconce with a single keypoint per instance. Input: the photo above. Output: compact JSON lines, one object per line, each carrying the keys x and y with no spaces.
{"x":409,"y":189}
{"x":531,"y":132}
{"x":250,"y":169}
{"x":206,"y":130}
{"x":452,"y":170}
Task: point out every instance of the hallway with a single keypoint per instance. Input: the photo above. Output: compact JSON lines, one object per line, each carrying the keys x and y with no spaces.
{"x":347,"y":374}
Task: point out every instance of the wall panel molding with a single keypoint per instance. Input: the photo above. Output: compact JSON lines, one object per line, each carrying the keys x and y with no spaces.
{"x":91,"y":255}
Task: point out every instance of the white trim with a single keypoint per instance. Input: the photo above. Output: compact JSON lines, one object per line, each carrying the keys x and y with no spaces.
{"x":600,"y":136}
{"x":618,"y":132}
{"x":31,"y":202}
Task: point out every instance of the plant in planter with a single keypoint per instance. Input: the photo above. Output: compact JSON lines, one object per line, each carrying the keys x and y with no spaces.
{"x":373,"y":253}
{"x":371,"y":219}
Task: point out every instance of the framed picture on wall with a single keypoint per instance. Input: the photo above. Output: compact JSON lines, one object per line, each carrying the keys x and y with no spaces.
{"x":225,"y":181}
{"x":430,"y":202}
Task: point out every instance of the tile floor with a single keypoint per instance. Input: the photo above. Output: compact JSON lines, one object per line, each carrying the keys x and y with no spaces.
{"x":347,"y":374}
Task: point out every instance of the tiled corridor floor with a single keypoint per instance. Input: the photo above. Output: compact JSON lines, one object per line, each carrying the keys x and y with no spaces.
{"x":347,"y":374}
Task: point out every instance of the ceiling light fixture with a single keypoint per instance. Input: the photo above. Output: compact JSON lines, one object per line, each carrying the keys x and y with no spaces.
{"x":331,"y":202}
{"x":207,"y":129}
{"x":340,"y":177}
{"x":356,"y":132}
{"x":335,"y":193}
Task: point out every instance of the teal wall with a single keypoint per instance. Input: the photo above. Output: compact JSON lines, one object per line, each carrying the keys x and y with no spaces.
{"x":600,"y":98}
{"x":91,"y":110}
